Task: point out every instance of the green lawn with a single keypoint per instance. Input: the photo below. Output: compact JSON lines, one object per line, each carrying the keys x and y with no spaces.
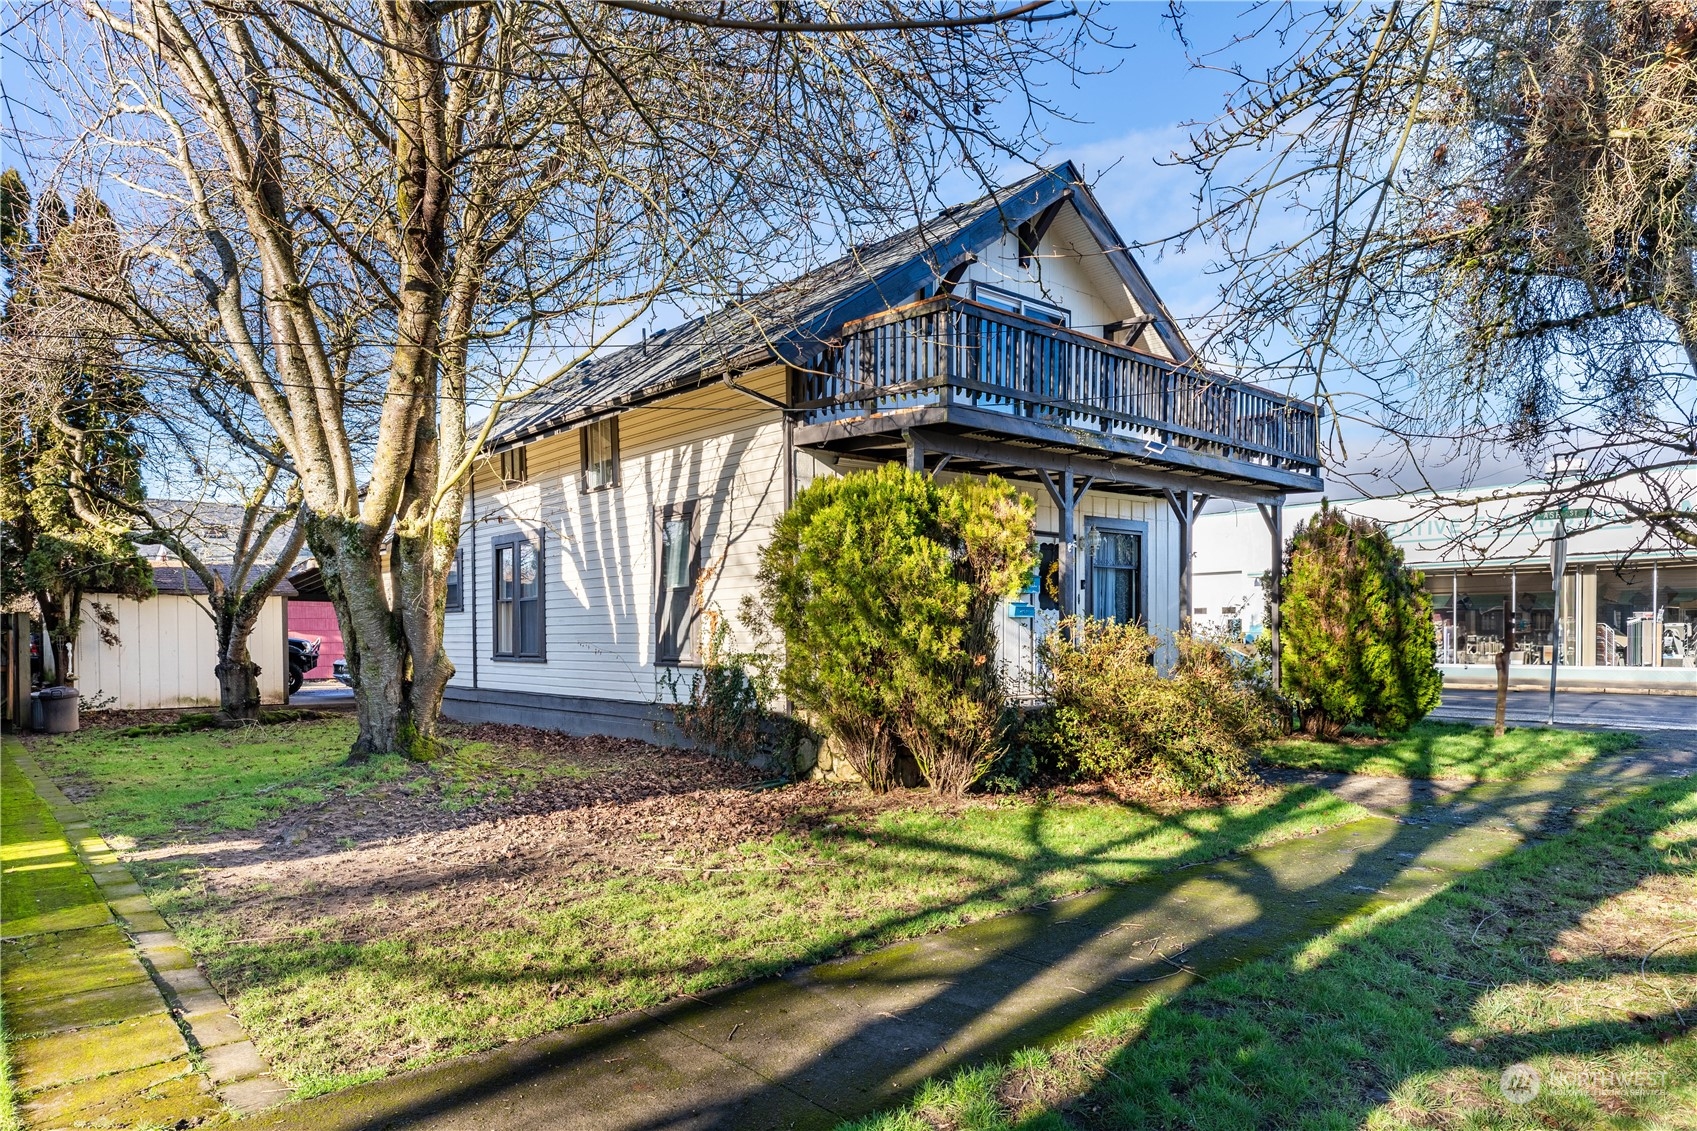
{"x":1577,"y":955}
{"x":153,"y":787}
{"x":1452,"y":750}
{"x":444,"y":962}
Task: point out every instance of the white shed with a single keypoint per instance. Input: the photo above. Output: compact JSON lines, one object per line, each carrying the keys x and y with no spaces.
{"x":165,"y":649}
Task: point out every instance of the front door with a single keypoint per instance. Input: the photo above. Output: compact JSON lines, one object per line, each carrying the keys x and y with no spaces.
{"x":1116,"y":572}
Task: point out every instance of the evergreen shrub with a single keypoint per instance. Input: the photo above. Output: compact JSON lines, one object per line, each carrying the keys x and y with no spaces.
{"x":1357,"y":644}
{"x":885,"y":586}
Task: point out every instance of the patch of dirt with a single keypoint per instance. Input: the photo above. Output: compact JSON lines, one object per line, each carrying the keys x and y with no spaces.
{"x":395,"y":859}
{"x":123,"y":720}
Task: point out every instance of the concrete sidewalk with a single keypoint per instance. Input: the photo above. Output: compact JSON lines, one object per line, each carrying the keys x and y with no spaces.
{"x":108,"y":1021}
{"x":853,"y":1036}
{"x":1673,"y":714}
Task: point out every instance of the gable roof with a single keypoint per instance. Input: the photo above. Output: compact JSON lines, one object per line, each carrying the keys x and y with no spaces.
{"x":791,"y":321}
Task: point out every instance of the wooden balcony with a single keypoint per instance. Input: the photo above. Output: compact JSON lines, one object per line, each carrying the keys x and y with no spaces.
{"x":987,"y":387}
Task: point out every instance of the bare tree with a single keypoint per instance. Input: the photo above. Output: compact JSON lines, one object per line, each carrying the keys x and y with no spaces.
{"x":381,"y":220}
{"x":1471,"y":223}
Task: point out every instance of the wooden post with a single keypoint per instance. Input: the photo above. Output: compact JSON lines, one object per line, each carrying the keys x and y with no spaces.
{"x":1067,"y":494}
{"x":915,"y":453}
{"x":1069,"y":549}
{"x":1502,"y":666}
{"x":1186,"y":505}
{"x":1273,"y":514}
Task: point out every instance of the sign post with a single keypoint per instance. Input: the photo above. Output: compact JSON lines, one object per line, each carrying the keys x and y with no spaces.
{"x":1558,"y":567}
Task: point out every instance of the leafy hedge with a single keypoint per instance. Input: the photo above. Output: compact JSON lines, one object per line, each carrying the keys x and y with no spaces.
{"x":1116,"y":715}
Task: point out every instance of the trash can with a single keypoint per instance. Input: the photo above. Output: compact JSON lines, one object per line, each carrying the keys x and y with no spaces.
{"x":59,"y":709}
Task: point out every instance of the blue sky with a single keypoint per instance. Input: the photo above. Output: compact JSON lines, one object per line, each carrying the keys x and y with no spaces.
{"x":1129,"y":118}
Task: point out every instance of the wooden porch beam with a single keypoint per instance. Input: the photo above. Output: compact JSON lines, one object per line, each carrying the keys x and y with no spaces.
{"x":952,"y":277}
{"x":1031,"y":232}
{"x":1037,"y":459}
{"x":1186,"y":505}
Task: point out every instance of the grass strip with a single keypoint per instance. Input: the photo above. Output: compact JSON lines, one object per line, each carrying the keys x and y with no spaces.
{"x":1458,"y":751}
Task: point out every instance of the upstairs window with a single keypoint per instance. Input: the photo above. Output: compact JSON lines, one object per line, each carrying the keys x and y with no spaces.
{"x":456,"y":595}
{"x":518,"y":599}
{"x":515,"y":468}
{"x":601,"y":454}
{"x":1016,"y":303}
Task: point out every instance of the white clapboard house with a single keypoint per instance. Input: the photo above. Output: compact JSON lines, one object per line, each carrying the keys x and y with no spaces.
{"x":621,"y":514}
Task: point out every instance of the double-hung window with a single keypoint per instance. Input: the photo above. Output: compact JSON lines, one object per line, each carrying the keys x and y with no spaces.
{"x":518,"y":598}
{"x":677,"y":553}
{"x":600,"y":455}
{"x":456,"y":594}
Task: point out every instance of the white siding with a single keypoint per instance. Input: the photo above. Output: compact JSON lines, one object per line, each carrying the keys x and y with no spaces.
{"x":167,"y":651}
{"x":727,"y":451}
{"x":715,"y":446}
{"x":1069,"y":270}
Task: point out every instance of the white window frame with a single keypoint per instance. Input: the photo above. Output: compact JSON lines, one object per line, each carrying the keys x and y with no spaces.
{"x":1015,"y":303}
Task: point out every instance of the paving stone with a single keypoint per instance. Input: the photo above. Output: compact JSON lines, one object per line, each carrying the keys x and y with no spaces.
{"x":183,"y":982}
{"x":63,"y":1058}
{"x":199,"y":1001}
{"x":168,"y":1094}
{"x":130,"y":905}
{"x":145,"y":939}
{"x":62,"y":1012}
{"x":113,"y":892}
{"x":167,"y":957}
{"x":148,"y":921}
{"x":238,"y":1060}
{"x":214,"y":1027}
{"x":256,"y":1093}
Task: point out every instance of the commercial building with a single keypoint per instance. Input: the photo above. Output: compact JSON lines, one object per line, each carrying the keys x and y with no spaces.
{"x":1628,"y":601}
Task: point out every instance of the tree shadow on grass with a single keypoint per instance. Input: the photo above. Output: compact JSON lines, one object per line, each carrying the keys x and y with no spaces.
{"x":1415,"y":1012}
{"x":852,"y":1036}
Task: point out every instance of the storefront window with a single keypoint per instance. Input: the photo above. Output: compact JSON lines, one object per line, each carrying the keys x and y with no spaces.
{"x":1638,"y":615}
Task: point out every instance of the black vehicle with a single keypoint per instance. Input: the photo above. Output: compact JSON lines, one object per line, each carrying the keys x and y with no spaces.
{"x":343,"y":675}
{"x":303,"y":657}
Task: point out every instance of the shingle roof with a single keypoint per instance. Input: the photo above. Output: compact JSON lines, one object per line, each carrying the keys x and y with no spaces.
{"x":791,"y":320}
{"x":181,"y":579}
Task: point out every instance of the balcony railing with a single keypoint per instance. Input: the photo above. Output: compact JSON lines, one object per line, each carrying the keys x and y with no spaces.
{"x":950,"y":351}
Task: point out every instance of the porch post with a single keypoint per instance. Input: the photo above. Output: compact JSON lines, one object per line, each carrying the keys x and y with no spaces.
{"x":1273,"y":514}
{"x":915,"y":452}
{"x":1066,"y":497}
{"x":1069,"y":548}
{"x":1186,"y":504}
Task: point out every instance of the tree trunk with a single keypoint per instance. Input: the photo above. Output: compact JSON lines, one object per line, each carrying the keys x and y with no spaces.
{"x":422,"y":573}
{"x":238,"y":676}
{"x":372,"y":637}
{"x":1502,"y":669}
{"x":238,"y":686}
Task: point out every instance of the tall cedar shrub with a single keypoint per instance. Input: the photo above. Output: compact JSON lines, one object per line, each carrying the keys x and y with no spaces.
{"x":885,"y":586}
{"x":1118,"y":717}
{"x":1357,"y":644}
